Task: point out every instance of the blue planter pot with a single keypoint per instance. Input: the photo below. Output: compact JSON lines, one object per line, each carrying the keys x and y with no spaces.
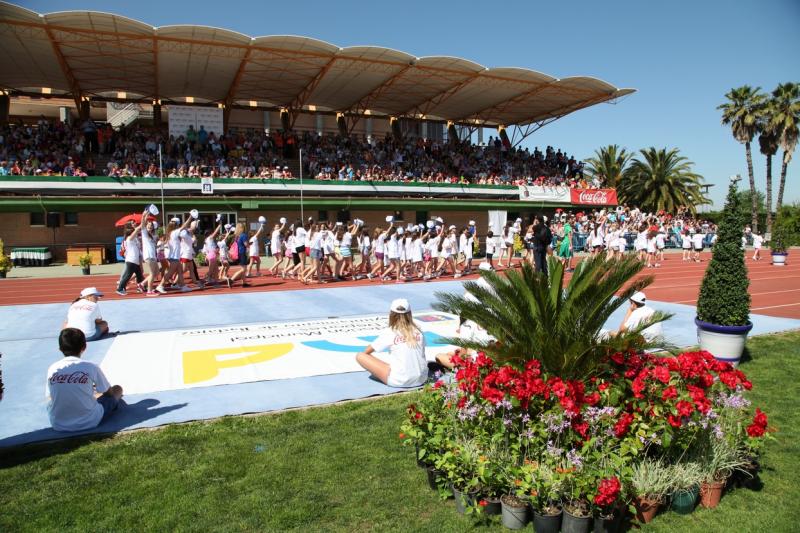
{"x":725,"y":343}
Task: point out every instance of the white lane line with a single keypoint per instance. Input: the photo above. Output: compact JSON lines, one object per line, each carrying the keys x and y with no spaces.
{"x":774,"y":306}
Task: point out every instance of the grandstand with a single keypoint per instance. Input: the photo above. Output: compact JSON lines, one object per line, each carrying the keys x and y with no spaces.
{"x":88,"y":100}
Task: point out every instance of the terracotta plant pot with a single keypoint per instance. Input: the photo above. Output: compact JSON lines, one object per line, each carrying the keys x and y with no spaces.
{"x":710,"y":494}
{"x":646,"y":509}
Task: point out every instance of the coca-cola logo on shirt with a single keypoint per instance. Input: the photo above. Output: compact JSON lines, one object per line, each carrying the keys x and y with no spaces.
{"x":74,"y":377}
{"x":594,"y":196}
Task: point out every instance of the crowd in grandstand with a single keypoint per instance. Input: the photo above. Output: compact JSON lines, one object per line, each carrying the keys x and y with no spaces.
{"x":54,"y":148}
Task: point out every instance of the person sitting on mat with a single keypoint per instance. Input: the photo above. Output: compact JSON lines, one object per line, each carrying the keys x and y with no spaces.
{"x":79,"y":395}
{"x":406,"y":366}
{"x":84,"y":314}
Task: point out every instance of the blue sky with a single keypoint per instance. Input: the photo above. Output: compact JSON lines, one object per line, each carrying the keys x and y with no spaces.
{"x":682,"y":57}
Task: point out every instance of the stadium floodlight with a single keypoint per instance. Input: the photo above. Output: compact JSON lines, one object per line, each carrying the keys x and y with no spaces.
{"x":122,"y":95}
{"x":46,"y":90}
{"x":190,"y":99}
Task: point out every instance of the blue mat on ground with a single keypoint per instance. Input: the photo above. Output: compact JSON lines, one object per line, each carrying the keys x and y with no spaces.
{"x":28,"y":334}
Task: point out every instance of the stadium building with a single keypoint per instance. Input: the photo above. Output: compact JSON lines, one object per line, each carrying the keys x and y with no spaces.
{"x":65,"y":68}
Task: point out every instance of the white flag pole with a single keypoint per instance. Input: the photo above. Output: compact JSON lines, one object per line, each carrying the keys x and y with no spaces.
{"x":161,"y":175}
{"x":302,"y":214}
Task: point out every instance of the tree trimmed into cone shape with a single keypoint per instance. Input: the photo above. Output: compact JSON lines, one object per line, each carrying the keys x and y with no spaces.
{"x":724,"y":299}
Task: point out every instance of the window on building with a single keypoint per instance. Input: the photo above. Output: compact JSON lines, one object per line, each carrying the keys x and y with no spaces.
{"x":322,"y":216}
{"x":343,"y":216}
{"x":422,"y":217}
{"x":70,"y":218}
{"x":37,"y":219}
{"x":398,"y":215}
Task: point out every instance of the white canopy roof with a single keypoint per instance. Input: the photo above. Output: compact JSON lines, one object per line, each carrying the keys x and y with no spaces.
{"x":89,"y":53}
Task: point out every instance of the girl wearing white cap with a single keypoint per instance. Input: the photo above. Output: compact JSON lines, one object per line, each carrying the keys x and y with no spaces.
{"x":224,"y":256}
{"x":84,"y":314}
{"x":379,"y":249}
{"x":276,"y":246}
{"x":393,"y":253}
{"x":405,"y":365}
{"x":315,"y":238}
{"x":345,"y":238}
{"x":212,"y":251}
{"x":133,"y":259}
{"x":465,"y":244}
{"x":150,"y":255}
{"x":254,"y":248}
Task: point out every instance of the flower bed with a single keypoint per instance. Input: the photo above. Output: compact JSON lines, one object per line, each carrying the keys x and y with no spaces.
{"x":640,"y":428}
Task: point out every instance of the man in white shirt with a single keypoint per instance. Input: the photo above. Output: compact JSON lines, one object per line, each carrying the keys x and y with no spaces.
{"x":639,"y":312}
{"x":79,"y":395}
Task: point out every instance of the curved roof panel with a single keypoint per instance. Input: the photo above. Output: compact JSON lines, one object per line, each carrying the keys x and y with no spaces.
{"x":89,"y":53}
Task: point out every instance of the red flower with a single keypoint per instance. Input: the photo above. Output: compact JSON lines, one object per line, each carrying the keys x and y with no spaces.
{"x":674,"y":421}
{"x":755,"y":431}
{"x":438,"y":384}
{"x":417,"y":415}
{"x":593,"y":398}
{"x":684,"y":408}
{"x":483,"y":503}
{"x":622,"y":425}
{"x":661,"y":374}
{"x":402,"y":435}
{"x":759,"y":425}
{"x":618,"y":358}
{"x":760,"y":418}
{"x":669,"y":393}
{"x":607,"y":492}
{"x":603,"y":386}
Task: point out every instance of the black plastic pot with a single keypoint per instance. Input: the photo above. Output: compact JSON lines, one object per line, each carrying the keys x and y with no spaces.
{"x":547,"y":523}
{"x":575,"y":524}
{"x":85,"y":271}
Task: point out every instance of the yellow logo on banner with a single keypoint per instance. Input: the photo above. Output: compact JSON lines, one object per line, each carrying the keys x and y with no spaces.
{"x":202,"y":365}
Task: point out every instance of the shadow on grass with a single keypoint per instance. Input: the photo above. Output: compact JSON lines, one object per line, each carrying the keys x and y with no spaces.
{"x":25,"y":447}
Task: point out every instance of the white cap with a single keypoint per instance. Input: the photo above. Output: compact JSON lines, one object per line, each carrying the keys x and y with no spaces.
{"x":484,"y":266}
{"x":430,"y":224}
{"x":195,"y":213}
{"x":519,"y":220}
{"x":471,"y":222}
{"x":400,"y":230}
{"x":155,"y":225}
{"x":176,"y":220}
{"x":219,"y":217}
{"x":227,"y":226}
{"x":338,"y":223}
{"x":262,"y":220}
{"x":283,"y":220}
{"x":400,"y":305}
{"x":152,"y":209}
{"x":389,"y":218}
{"x":90,"y":291}
{"x":639,"y":298}
{"x":440,"y":220}
{"x":453,"y":226}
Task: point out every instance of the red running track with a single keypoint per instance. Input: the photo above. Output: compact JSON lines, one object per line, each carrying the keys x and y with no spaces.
{"x":775,"y":291}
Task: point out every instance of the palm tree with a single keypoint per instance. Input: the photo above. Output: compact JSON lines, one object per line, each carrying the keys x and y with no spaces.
{"x":785,"y":119}
{"x":768,"y":145}
{"x":661,"y":180}
{"x":532,"y":315}
{"x":609,"y":163}
{"x":740,"y":112}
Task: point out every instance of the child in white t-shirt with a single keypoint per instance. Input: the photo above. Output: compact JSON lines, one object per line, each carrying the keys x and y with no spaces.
{"x":758,"y":241}
{"x":254,"y":251}
{"x":78,"y":393}
{"x":686,"y":245}
{"x":405,"y":365}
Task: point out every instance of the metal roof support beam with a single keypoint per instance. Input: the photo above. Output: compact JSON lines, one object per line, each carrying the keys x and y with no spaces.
{"x":424,"y":107}
{"x":301,"y":99}
{"x":73,"y":83}
{"x":237,"y":79}
{"x":366,"y":101}
{"x":156,"y":88}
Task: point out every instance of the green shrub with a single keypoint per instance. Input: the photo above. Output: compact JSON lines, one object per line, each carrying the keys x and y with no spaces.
{"x":724,"y":299}
{"x":786,"y":229}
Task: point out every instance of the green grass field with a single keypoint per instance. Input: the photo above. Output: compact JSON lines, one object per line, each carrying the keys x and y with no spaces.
{"x":338,"y":468}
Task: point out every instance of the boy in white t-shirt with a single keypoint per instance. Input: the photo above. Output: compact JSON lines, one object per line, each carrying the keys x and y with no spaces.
{"x":758,"y":241}
{"x":79,"y":395}
{"x":697,"y":241}
{"x":84,"y":314}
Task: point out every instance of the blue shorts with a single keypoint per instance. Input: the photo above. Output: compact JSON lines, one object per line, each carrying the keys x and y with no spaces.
{"x":345,"y":252}
{"x":109,"y":404}
{"x":98,"y":333}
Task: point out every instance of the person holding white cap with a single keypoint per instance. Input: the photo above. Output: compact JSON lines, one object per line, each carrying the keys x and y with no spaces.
{"x":254,"y":248}
{"x":639,"y":312}
{"x":405,"y":365}
{"x":175,"y":272}
{"x":84,"y":314}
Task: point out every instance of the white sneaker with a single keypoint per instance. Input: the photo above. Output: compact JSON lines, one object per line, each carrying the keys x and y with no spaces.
{"x":161,"y":289}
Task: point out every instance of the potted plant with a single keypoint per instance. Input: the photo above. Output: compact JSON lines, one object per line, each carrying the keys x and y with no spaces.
{"x":577,"y":509}
{"x":5,"y":261}
{"x":784,"y":234}
{"x":719,"y":461}
{"x":543,"y":486}
{"x":649,"y":483}
{"x":85,"y":261}
{"x":723,"y":307}
{"x":684,"y":486}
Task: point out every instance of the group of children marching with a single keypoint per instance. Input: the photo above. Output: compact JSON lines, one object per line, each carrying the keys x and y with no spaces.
{"x":311,"y":252}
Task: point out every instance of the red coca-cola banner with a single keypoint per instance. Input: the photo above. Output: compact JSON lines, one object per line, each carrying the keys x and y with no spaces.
{"x":593,"y":196}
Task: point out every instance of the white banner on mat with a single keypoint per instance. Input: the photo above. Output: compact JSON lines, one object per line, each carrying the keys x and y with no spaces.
{"x":169,"y":360}
{"x":539,"y":193}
